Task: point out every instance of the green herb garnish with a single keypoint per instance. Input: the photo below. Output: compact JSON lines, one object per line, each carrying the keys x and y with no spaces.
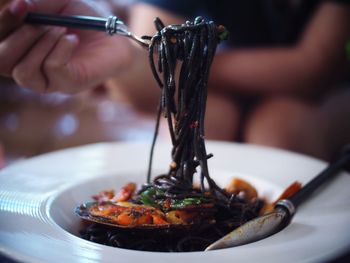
{"x":177,"y":204}
{"x":149,"y":196}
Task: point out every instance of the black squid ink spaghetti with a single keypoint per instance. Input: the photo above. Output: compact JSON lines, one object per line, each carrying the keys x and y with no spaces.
{"x":170,"y":212}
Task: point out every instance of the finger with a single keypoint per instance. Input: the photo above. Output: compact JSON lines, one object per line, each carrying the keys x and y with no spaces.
{"x":28,"y":72}
{"x":17,"y":45}
{"x":11,"y":17}
{"x":57,"y":65}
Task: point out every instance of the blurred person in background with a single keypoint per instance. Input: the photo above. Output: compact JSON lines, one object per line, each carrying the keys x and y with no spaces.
{"x":276,"y":82}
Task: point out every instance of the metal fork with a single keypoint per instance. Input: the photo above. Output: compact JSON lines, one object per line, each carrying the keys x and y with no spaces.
{"x":111,"y":25}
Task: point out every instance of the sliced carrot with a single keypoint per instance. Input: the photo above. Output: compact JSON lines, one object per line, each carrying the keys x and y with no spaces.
{"x":125,"y":219}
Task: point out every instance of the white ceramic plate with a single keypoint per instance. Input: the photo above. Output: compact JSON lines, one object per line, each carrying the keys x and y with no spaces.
{"x":37,"y":198}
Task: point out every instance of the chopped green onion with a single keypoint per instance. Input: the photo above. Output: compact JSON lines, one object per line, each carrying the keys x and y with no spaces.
{"x":148,"y":196}
{"x":176,"y":204}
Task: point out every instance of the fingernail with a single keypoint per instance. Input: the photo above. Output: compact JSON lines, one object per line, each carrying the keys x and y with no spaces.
{"x":72,"y":38}
{"x":18,"y":7}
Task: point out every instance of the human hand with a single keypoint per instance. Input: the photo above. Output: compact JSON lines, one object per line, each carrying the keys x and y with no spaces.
{"x":53,"y":58}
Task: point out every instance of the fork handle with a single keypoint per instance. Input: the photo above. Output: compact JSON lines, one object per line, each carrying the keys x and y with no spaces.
{"x":80,"y":22}
{"x":333,"y":168}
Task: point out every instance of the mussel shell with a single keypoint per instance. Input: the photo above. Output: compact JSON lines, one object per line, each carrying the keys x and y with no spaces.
{"x":172,"y":229}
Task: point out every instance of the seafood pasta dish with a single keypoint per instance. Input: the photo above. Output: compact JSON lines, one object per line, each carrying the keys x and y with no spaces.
{"x":183,"y":209}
